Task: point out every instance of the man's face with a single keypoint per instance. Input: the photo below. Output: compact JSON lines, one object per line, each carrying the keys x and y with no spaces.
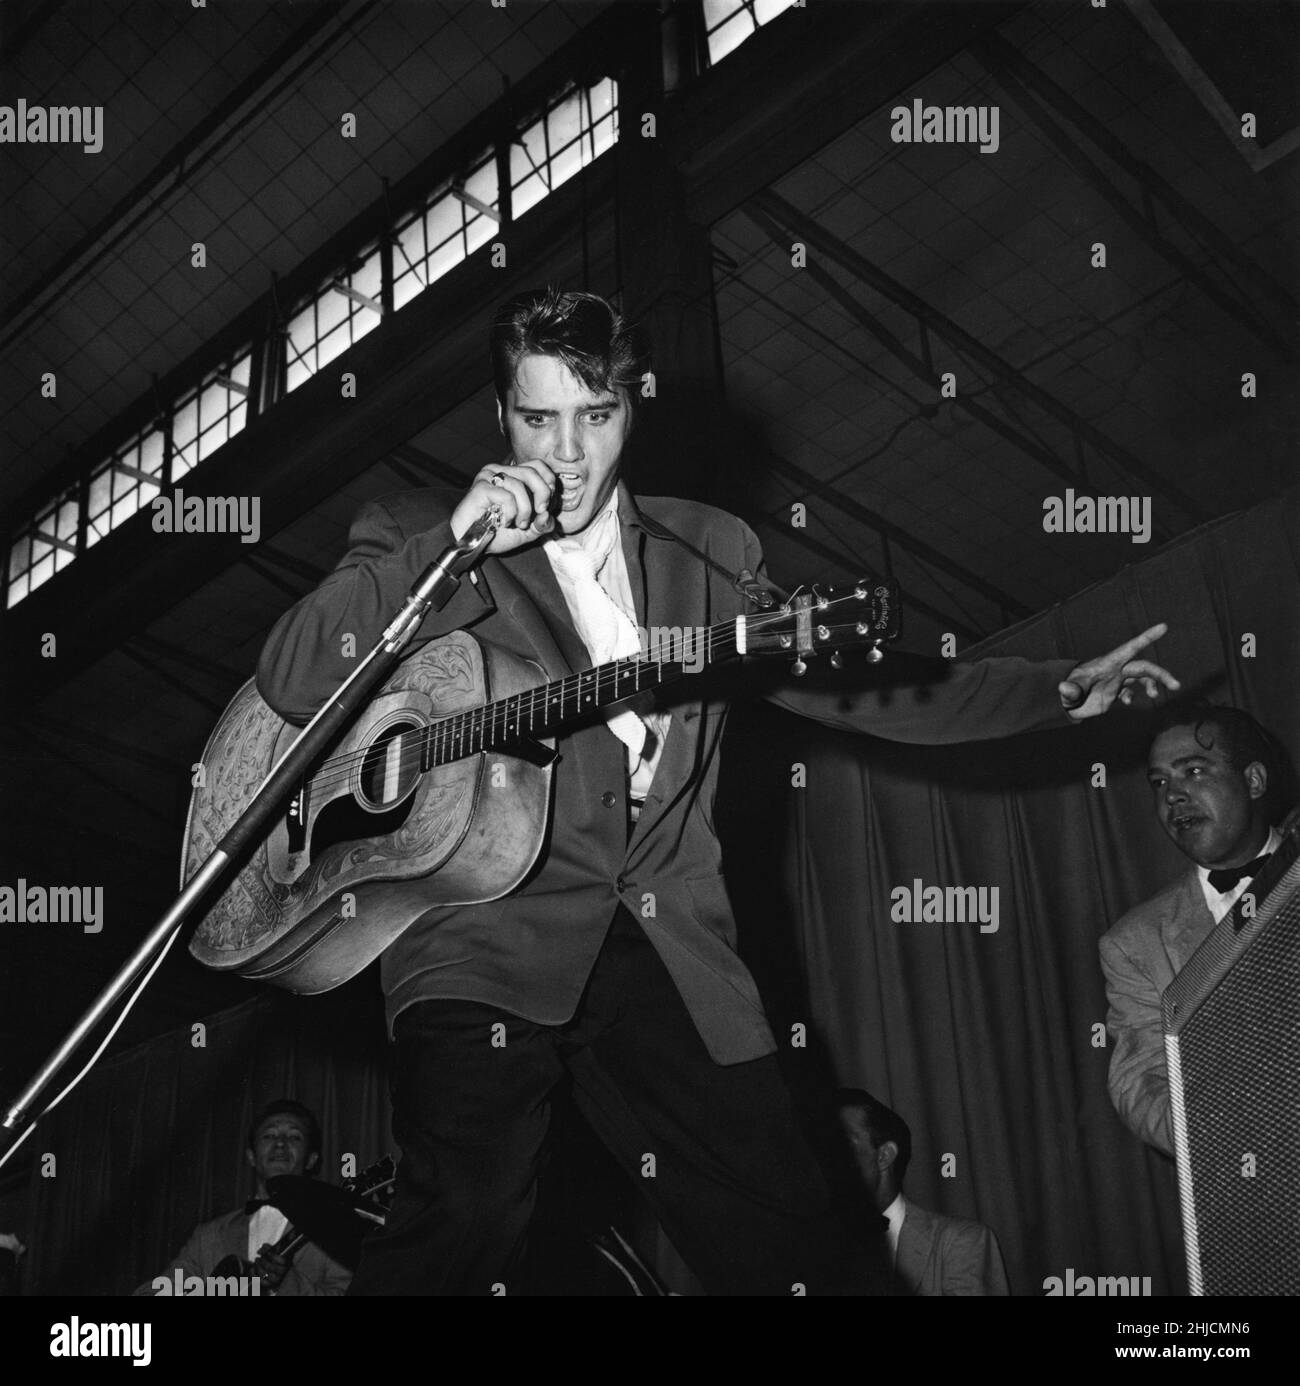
{"x":280,"y":1147}
{"x":867,"y":1154}
{"x":1212,"y":812}
{"x":549,"y":415}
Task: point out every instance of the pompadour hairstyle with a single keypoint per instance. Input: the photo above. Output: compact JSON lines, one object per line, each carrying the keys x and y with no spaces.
{"x":1241,"y":738}
{"x":883,"y":1124}
{"x":581,"y":330}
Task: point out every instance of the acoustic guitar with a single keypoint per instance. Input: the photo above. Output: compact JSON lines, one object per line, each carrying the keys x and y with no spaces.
{"x":445,"y":777}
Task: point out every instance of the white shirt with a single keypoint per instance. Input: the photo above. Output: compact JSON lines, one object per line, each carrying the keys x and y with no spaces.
{"x":1221,"y":904}
{"x":266,"y":1225}
{"x":613,"y":578}
{"x":895,"y":1214}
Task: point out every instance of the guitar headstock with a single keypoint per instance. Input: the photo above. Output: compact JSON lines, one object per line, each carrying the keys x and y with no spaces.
{"x":827,"y":620}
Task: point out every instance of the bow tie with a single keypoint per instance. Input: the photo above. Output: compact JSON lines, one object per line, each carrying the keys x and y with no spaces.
{"x":1223,"y":880}
{"x":254,"y":1204}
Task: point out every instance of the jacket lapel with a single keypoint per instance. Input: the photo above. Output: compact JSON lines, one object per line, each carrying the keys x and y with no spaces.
{"x":915,"y":1241}
{"x":1184,"y":928}
{"x":527,"y":587}
{"x":665,"y":581}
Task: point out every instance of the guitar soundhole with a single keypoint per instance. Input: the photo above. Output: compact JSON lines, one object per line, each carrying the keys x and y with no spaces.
{"x":389,"y":768}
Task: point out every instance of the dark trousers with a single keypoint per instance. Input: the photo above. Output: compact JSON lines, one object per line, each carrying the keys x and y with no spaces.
{"x":715,"y":1149}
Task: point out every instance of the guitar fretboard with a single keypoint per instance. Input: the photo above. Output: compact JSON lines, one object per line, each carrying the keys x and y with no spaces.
{"x":538,"y":711}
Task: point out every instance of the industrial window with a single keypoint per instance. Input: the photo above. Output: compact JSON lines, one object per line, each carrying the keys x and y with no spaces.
{"x":209,"y":416}
{"x":450,"y":227}
{"x":131,"y":478}
{"x":339,"y":314}
{"x":729,"y":23}
{"x":45,"y":546}
{"x":577,"y":129}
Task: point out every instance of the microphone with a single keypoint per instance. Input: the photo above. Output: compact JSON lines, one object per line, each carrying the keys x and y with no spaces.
{"x":435,"y":586}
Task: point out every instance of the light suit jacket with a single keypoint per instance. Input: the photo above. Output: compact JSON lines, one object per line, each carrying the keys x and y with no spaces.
{"x":531,"y":952}
{"x":311,"y":1272}
{"x":938,"y":1255}
{"x":1140,"y":956}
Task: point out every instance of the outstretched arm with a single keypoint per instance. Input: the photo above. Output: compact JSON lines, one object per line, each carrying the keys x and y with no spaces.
{"x":933,"y":702}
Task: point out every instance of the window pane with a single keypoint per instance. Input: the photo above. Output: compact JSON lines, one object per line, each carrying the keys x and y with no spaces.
{"x":151,"y":453}
{"x":185,"y":427}
{"x":444,"y":220}
{"x":769,"y":9}
{"x":564,"y":123}
{"x":405,"y":288}
{"x":20,"y":556}
{"x":482,"y":183}
{"x":730,"y":36}
{"x":296,"y":374}
{"x":331,"y":309}
{"x":478,"y":232}
{"x":42,"y":571}
{"x":368,"y":280}
{"x":444,"y":259}
{"x":101,"y":489}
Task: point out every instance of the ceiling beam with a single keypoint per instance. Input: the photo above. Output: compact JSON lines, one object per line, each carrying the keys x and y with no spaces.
{"x":896,"y":534}
{"x":804,"y":79}
{"x":1229,"y":300}
{"x":1003,"y":58}
{"x":175,"y":168}
{"x":860,"y":267}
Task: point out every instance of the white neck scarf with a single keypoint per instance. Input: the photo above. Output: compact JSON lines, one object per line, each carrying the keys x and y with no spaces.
{"x":605,"y":628}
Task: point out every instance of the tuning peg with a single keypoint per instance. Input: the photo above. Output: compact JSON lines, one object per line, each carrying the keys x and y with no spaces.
{"x":836,"y":661}
{"x":875,"y":654}
{"x":799,"y":668}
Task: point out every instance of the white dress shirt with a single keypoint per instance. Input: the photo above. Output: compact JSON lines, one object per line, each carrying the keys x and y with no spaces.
{"x":266,"y":1226}
{"x":895,"y":1214}
{"x":612,"y":575}
{"x":1221,"y":903}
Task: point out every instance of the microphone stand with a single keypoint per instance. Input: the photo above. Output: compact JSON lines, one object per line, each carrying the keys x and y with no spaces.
{"x":432,"y":590}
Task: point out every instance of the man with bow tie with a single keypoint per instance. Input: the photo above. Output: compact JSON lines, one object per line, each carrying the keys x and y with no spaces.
{"x":1217,"y":781}
{"x":285,"y":1139}
{"x":614,"y":962}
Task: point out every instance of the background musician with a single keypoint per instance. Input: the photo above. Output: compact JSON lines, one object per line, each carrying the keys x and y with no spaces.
{"x":285,"y":1139}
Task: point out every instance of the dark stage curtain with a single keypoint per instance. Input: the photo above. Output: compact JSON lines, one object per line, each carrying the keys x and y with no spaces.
{"x":986,"y":1043}
{"x":153,"y":1142}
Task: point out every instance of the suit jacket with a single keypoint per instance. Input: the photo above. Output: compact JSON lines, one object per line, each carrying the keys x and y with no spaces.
{"x":310,"y":1272}
{"x":530,"y":953}
{"x":938,"y":1255}
{"x":1140,"y":956}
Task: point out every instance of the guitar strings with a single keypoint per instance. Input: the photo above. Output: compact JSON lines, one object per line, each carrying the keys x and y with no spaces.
{"x":464,"y":727}
{"x":471,"y":724}
{"x":540,"y":701}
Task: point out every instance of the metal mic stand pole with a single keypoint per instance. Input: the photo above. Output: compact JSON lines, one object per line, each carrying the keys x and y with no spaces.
{"x":432,"y":590}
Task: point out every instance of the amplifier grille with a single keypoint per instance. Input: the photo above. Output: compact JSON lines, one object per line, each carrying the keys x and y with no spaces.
{"x":1232,"y":1039}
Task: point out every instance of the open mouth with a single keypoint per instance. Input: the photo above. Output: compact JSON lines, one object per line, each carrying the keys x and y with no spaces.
{"x":1185,"y":822}
{"x":571,"y":485}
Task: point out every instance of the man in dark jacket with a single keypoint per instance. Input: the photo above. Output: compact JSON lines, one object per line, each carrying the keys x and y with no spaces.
{"x":615,"y":959}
